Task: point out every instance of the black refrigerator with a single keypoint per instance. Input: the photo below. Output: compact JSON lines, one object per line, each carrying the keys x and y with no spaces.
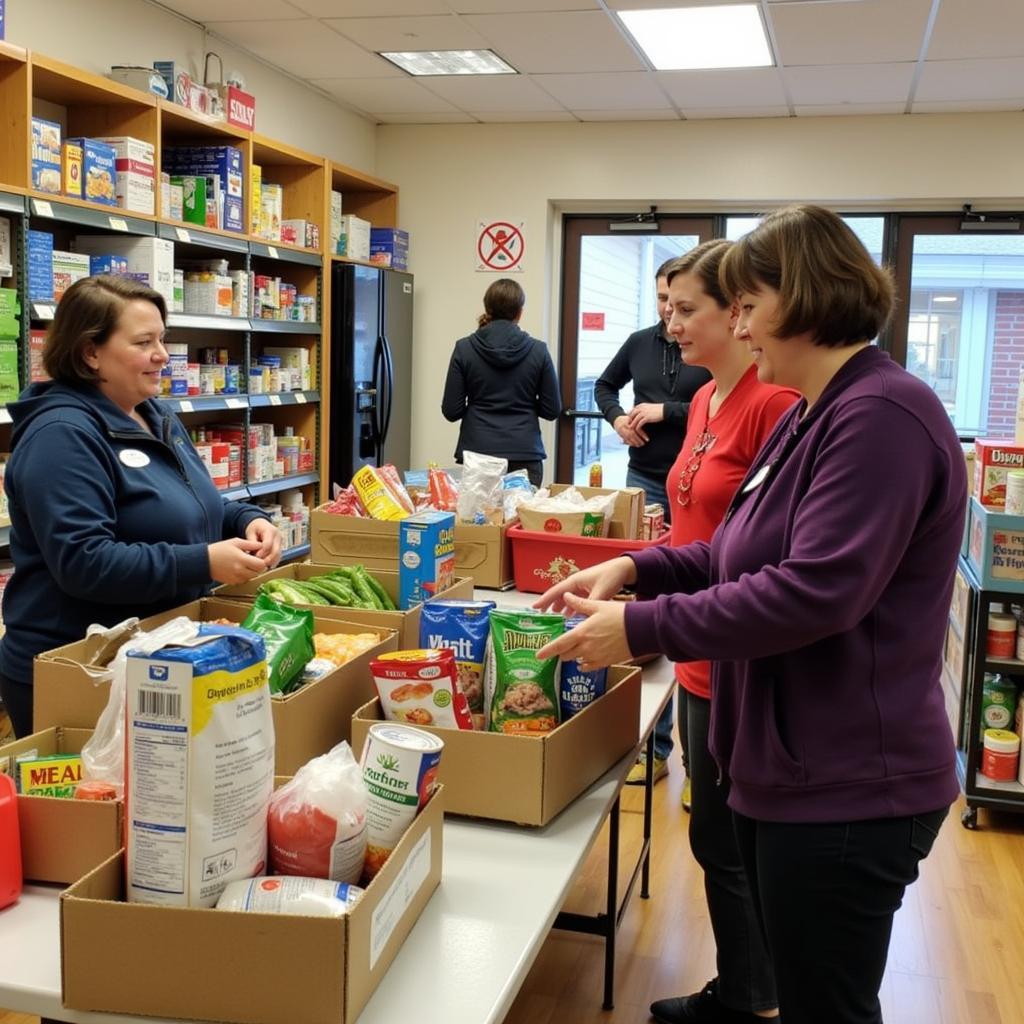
{"x":371,"y":369}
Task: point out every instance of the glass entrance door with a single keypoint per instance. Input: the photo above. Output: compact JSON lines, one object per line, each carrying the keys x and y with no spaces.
{"x":608,"y":292}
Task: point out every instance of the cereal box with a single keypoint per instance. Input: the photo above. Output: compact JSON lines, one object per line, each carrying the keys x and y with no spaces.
{"x":46,"y":151}
{"x":68,"y":267}
{"x":52,"y":775}
{"x":992,"y":458}
{"x":136,"y":173}
{"x":72,"y":170}
{"x":99,"y":171}
{"x":426,"y":556}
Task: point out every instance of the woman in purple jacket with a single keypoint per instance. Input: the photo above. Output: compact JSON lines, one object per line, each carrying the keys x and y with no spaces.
{"x":822,"y":599}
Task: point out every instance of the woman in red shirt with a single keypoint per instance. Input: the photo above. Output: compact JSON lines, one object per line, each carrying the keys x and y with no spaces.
{"x":729,"y":419}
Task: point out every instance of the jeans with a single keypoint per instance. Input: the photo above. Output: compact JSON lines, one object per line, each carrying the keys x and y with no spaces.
{"x":654,"y":486}
{"x":826,"y":895}
{"x":534,"y":470}
{"x":746,"y":981}
{"x":17,"y":698}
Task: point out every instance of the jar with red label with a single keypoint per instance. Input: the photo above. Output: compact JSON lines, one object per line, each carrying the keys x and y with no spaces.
{"x":1002,"y":635}
{"x":999,"y":755}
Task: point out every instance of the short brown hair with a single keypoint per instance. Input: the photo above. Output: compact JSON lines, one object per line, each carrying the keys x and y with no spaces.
{"x":704,"y":262}
{"x":89,"y":312}
{"x":662,"y":271}
{"x":828,"y":284}
{"x":503,"y":300}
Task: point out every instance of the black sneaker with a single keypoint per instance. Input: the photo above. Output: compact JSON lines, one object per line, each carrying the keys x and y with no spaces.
{"x":703,"y":1007}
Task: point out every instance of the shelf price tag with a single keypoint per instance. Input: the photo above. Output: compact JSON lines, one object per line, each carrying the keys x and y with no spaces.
{"x":5,"y":416}
{"x":235,"y":403}
{"x":42,"y":208}
{"x":43,"y":312}
{"x":118,"y":223}
{"x":183,"y":235}
{"x":275,"y":399}
{"x":272,"y":251}
{"x":300,"y":398}
{"x":185,"y":406}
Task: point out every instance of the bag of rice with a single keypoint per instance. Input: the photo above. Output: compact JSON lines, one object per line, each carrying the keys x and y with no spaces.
{"x":522,"y":690}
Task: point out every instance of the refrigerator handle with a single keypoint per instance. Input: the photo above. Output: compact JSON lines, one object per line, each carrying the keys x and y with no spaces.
{"x":377,"y":417}
{"x":389,"y":371}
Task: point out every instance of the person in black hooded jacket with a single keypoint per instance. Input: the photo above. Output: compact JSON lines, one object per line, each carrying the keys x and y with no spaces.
{"x":500,"y":381}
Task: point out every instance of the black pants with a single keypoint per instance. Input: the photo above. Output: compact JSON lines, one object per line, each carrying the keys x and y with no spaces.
{"x":746,"y":981}
{"x":17,"y":698}
{"x":534,"y":470}
{"x":827,"y":894}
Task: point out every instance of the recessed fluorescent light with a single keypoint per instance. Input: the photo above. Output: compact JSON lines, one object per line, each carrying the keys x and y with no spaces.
{"x":684,"y":38}
{"x":450,"y":62}
{"x":945,"y":298}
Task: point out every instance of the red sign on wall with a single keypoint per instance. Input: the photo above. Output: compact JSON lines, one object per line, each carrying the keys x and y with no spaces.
{"x":241,"y":110}
{"x":593,"y":322}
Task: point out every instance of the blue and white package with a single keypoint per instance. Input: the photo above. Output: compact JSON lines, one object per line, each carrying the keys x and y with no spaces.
{"x":579,"y":689}
{"x":462,"y":627}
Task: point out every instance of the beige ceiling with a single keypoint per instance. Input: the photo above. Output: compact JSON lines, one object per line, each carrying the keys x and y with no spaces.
{"x":576,"y":63}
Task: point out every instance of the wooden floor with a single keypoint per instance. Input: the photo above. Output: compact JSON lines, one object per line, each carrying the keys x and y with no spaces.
{"x":957,"y":954}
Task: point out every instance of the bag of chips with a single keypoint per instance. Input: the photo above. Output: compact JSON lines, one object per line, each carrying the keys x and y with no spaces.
{"x":288,"y":635}
{"x":522,"y":691}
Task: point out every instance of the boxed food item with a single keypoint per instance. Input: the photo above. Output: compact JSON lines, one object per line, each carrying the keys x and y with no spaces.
{"x":151,"y":258}
{"x":36,"y":341}
{"x":354,"y":239}
{"x":335,"y":226}
{"x":992,"y":460}
{"x":136,"y":173}
{"x":62,"y":839}
{"x":300,"y":232}
{"x":46,"y":156}
{"x":72,"y":170}
{"x":6,"y":268}
{"x":193,"y":198}
{"x":426,"y":556}
{"x":72,"y":682}
{"x":995,"y":548}
{"x":256,"y":200}
{"x":68,"y":267}
{"x":99,"y":171}
{"x":389,"y":247}
{"x":107,"y":265}
{"x":10,"y":312}
{"x":271,"y":211}
{"x":528,"y":780}
{"x":9,"y":382}
{"x":221,"y":166}
{"x":40,"y":265}
{"x":338,"y":961}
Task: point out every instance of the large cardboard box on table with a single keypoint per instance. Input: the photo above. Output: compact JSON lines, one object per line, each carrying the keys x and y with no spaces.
{"x":62,"y":839}
{"x":627,"y":522}
{"x":307,"y":722}
{"x":529,"y":779}
{"x":406,"y":624}
{"x":205,"y":964}
{"x":482,"y":552}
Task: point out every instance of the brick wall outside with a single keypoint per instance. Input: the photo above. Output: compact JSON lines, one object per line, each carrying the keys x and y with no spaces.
{"x":1007,"y":359}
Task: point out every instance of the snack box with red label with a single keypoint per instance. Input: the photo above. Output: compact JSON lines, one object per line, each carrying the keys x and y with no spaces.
{"x":992,"y":460}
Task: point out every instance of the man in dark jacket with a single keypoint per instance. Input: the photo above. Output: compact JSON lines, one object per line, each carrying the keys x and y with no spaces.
{"x":500,"y":381}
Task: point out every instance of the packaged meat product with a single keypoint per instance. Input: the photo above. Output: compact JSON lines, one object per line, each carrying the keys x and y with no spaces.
{"x":420,"y":687}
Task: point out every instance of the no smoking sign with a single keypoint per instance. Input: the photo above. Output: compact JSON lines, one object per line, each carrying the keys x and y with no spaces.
{"x":499,"y":247}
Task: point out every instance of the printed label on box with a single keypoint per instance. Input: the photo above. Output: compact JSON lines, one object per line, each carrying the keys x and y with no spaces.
{"x":397,"y":899}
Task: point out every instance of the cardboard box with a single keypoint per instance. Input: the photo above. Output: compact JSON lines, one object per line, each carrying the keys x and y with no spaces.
{"x":136,"y":173}
{"x":389,"y":247}
{"x":63,"y":839}
{"x":992,"y":459}
{"x":483,"y":552}
{"x":628,"y":515}
{"x":151,"y":257}
{"x":40,"y":265}
{"x":548,"y":771}
{"x":99,"y":171}
{"x":354,"y":239}
{"x":220,"y":162}
{"x":307,"y":722}
{"x":995,"y":548}
{"x":46,"y":154}
{"x":228,"y":959}
{"x":68,"y":267}
{"x":73,"y":170}
{"x":405,"y":623}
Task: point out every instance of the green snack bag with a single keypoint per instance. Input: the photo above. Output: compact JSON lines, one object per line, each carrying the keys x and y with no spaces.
{"x":523,"y":691}
{"x":288,"y":635}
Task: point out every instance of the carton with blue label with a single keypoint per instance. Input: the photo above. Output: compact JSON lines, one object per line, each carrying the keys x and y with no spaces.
{"x":99,"y":171}
{"x":426,"y":556}
{"x":46,"y":154}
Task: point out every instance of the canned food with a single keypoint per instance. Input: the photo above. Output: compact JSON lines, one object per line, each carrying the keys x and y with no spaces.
{"x":399,"y":766}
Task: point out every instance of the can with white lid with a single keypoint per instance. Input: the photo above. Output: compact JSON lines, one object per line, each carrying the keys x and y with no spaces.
{"x":399,"y":766}
{"x":1000,"y":754}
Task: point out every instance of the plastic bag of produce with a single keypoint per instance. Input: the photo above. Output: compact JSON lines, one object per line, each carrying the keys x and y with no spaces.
{"x":522,"y":691}
{"x":288,"y":635}
{"x":317,"y":821}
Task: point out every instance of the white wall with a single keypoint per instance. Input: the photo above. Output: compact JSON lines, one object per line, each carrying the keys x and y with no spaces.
{"x":452,"y":175}
{"x":94,"y":34}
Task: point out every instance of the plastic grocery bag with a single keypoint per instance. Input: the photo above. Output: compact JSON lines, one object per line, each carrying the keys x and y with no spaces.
{"x":480,"y":491}
{"x":103,"y":751}
{"x":317,"y":822}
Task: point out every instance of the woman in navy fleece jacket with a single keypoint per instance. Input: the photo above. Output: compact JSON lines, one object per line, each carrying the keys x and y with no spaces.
{"x":822,"y":599}
{"x":113,"y":514}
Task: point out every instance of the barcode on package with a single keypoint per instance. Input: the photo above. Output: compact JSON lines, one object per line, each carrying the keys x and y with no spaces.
{"x":159,"y":704}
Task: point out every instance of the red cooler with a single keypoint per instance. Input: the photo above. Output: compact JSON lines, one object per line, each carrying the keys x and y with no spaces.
{"x":10,"y":843}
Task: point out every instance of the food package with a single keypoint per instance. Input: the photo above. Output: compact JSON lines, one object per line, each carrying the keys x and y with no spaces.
{"x":393,"y":479}
{"x":578,"y":688}
{"x":339,"y":648}
{"x":515,"y":490}
{"x":308,"y":897}
{"x":568,"y":513}
{"x":480,"y":490}
{"x":288,"y":635}
{"x":420,"y":687}
{"x":426,"y":557}
{"x":443,"y":494}
{"x":345,"y":503}
{"x":377,"y":496}
{"x":522,"y":693}
{"x":463,"y":628}
{"x":317,"y":822}
{"x":200,"y":767}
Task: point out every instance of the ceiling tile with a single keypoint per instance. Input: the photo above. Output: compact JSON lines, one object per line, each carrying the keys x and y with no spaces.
{"x":385,"y":96}
{"x":850,"y":83}
{"x":493,"y":92}
{"x":433,"y":32}
{"x":305,"y":48}
{"x":847,"y":109}
{"x":521,"y":6}
{"x":965,"y":106}
{"x":232,"y":10}
{"x":452,"y":118}
{"x":710,"y":113}
{"x":628,"y":90}
{"x":1000,"y":79}
{"x":520,"y":117}
{"x":754,"y":87}
{"x":371,"y":8}
{"x":871,"y":31}
{"x":978,"y":28}
{"x":627,"y":115}
{"x":559,"y":42}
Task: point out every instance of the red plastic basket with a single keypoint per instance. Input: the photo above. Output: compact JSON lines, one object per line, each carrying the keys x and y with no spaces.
{"x":540,"y":560}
